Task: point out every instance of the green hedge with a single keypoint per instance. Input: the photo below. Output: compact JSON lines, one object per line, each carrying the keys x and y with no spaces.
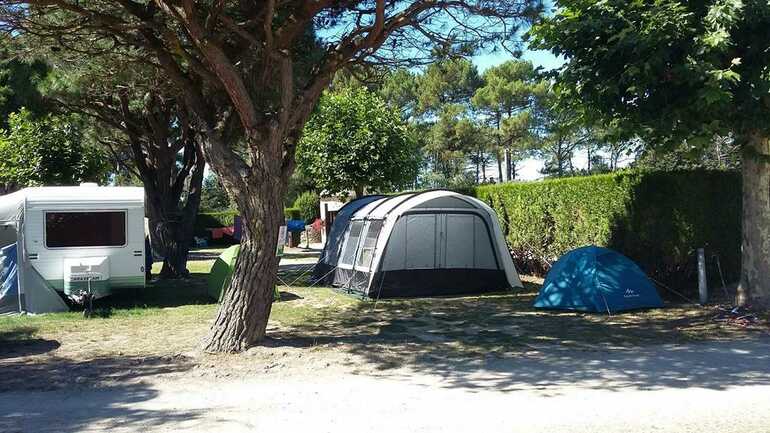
{"x":309,"y":205}
{"x":658,"y":219}
{"x":292,"y":213}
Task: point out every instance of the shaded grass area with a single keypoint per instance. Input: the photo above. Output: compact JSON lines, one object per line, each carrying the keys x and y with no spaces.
{"x":164,"y":317}
{"x":166,"y":321}
{"x":494,"y":323}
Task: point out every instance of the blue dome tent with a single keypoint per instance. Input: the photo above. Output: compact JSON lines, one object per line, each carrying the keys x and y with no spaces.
{"x":595,"y":279}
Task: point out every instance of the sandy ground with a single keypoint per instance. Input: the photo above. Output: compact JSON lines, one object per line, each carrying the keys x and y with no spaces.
{"x":706,"y":387}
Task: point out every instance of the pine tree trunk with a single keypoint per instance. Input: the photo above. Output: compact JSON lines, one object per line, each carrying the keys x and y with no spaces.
{"x":508,"y":165}
{"x":499,"y":166}
{"x":754,"y":287}
{"x":243,"y":315}
{"x":171,"y":219}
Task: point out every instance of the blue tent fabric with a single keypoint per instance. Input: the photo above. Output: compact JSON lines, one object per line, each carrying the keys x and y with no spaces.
{"x":9,"y":281}
{"x":295,"y":225}
{"x":595,"y":279}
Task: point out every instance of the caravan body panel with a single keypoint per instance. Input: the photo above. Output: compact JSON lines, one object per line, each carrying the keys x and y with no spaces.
{"x":81,"y":238}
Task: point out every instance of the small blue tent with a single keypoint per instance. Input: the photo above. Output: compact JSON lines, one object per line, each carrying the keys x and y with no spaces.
{"x":595,"y":279}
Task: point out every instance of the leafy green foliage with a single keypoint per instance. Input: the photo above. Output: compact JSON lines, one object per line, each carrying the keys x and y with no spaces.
{"x":721,"y":153}
{"x":506,"y":99}
{"x":19,"y":81}
{"x":666,"y":70}
{"x":450,"y":81}
{"x":48,"y":151}
{"x":213,"y":195}
{"x":658,"y":219}
{"x":299,"y":182}
{"x":355,"y":141}
{"x":309,"y":205}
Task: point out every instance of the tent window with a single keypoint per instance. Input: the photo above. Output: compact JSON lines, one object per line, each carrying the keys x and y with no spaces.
{"x":349,"y":249}
{"x":85,"y":229}
{"x":370,"y":241}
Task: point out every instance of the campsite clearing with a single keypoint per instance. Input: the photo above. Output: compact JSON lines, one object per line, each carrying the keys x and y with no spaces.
{"x":137,"y":367}
{"x":163,"y":325}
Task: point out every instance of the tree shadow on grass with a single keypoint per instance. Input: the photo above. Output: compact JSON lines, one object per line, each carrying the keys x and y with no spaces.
{"x":99,"y":394}
{"x":21,"y":342}
{"x":501,"y":342}
{"x":158,"y":294}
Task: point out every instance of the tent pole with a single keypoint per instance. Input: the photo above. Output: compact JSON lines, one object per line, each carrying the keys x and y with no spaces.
{"x":20,"y":267}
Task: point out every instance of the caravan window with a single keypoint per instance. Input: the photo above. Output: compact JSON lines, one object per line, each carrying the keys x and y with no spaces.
{"x":85,"y":229}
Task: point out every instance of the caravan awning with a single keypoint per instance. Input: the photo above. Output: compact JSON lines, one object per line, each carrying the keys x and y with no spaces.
{"x":11,"y":207}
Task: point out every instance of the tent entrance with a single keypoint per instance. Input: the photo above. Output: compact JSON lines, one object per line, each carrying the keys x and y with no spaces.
{"x":440,"y":240}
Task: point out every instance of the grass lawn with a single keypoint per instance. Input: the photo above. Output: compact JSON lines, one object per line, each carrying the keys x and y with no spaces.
{"x":168,"y":319}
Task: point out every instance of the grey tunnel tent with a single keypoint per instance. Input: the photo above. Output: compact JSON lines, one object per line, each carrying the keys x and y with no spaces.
{"x":330,"y":254}
{"x":418,"y":244}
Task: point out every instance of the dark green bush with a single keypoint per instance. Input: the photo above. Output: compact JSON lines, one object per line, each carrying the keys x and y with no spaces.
{"x":309,"y":205}
{"x":292,"y":213}
{"x":658,"y":219}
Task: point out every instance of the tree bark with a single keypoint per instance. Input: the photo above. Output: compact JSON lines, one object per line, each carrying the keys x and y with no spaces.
{"x":478,"y":165}
{"x":754,"y":287}
{"x":171,"y":226}
{"x":155,"y":148}
{"x":508,"y":165}
{"x":242,"y":318}
{"x":499,"y":166}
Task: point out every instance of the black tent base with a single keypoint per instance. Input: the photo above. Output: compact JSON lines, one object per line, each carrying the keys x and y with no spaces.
{"x":323,"y":273}
{"x":425,"y":282}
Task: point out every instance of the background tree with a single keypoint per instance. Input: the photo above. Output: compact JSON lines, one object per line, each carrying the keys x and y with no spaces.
{"x":559,"y":134}
{"x":355,"y":142}
{"x":671,"y":72}
{"x":47,"y":151}
{"x":213,"y":195}
{"x":250,"y":74}
{"x":450,"y":81}
{"x":721,"y":153}
{"x":309,"y":205}
{"x":146,"y":128}
{"x":19,"y":82}
{"x":507,"y":95}
{"x":443,"y":107}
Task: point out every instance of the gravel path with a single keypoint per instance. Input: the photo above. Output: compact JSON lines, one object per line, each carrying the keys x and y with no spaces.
{"x":714,"y":387}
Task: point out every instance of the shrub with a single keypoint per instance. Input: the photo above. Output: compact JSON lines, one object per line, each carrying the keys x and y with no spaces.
{"x":309,"y":205}
{"x":291,"y":213}
{"x":658,"y":219}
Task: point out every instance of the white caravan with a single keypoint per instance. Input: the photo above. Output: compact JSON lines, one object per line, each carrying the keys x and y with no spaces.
{"x":83,"y":238}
